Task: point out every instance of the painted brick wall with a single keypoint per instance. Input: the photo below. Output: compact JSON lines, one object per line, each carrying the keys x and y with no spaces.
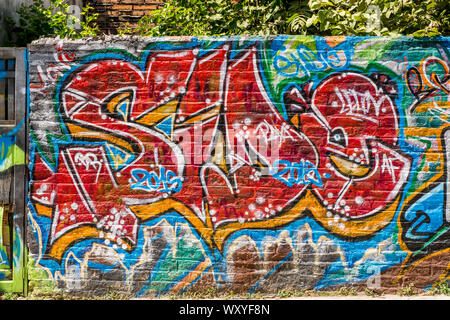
{"x":246,"y":164}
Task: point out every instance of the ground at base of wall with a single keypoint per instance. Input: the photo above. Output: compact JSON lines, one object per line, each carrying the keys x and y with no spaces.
{"x":406,"y":293}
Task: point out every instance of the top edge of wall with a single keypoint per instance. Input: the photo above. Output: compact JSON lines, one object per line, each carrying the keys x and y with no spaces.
{"x":113,"y":38}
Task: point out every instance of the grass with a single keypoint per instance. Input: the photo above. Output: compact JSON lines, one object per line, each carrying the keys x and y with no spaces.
{"x":290,"y":293}
{"x":441,"y":289}
{"x":372,"y":293}
{"x":57,"y":294}
{"x":282,"y":294}
{"x":10,"y":296}
{"x":214,"y":293}
{"x":407,"y":290}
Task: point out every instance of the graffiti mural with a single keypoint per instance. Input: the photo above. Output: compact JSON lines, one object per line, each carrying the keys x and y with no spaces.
{"x":251,"y":164}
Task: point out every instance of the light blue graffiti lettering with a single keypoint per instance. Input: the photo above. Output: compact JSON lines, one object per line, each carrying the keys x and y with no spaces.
{"x":166,"y":181}
{"x":308,"y":61}
{"x":296,"y":173}
{"x":282,"y":64}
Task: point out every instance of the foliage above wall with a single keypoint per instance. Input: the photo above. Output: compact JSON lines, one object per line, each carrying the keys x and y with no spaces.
{"x":36,"y":20}
{"x":317,"y":17}
{"x":254,"y":17}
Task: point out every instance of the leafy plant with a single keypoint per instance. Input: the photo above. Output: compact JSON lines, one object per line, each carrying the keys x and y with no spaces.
{"x":343,"y":291}
{"x":407,"y":290}
{"x":372,"y":293}
{"x":290,"y":293}
{"x":442,"y":288}
{"x":313,"y":17}
{"x":213,"y":17}
{"x":9,"y":296}
{"x":37,"y":20}
{"x":370,"y":17}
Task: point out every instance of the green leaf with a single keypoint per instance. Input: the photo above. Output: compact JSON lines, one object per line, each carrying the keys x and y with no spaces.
{"x":314,"y":5}
{"x":311,"y":21}
{"x":322,"y":16}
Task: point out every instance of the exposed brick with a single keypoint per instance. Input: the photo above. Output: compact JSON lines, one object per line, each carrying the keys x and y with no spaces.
{"x":145,"y":7}
{"x":128,"y":10}
{"x":121,"y":7}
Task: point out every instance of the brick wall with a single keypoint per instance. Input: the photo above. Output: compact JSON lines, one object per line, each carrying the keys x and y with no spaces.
{"x":247,"y":164}
{"x":114,"y":14}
